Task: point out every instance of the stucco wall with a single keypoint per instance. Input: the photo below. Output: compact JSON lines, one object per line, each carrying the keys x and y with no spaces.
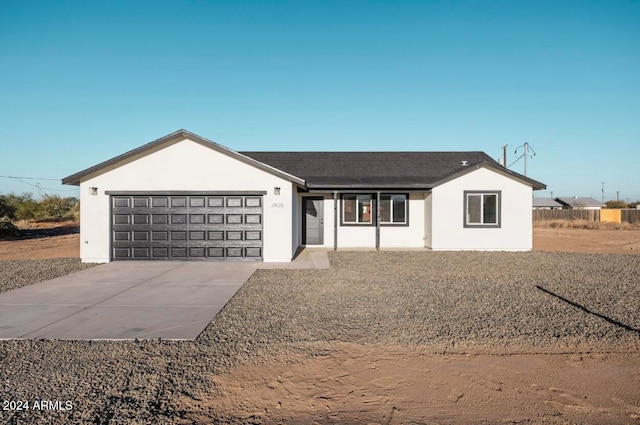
{"x":428,"y":236}
{"x":448,"y":231}
{"x":186,"y":166}
{"x":411,"y":236}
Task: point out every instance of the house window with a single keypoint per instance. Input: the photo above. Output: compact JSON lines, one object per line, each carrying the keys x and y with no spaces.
{"x":357,"y":209}
{"x":482,"y":209}
{"x":393,"y":209}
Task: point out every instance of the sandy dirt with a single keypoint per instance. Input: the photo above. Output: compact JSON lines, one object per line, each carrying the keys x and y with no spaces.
{"x":42,"y":240}
{"x":398,"y":385}
{"x":359,"y":384}
{"x":584,"y":240}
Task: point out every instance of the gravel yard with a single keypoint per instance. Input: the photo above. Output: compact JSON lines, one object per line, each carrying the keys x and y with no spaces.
{"x":17,"y":273}
{"x":487,"y":302}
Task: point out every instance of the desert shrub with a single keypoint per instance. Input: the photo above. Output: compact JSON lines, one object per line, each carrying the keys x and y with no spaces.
{"x":616,"y":204}
{"x":7,"y":227}
{"x":50,"y":208}
{"x":7,"y":209}
{"x":25,"y":207}
{"x":54,"y":207}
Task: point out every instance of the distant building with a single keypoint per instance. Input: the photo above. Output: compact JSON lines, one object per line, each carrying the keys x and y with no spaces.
{"x":546,"y":204}
{"x":579,"y":203}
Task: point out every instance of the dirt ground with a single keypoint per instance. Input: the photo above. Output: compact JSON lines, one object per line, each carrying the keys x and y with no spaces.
{"x":585,"y":240}
{"x":363,"y":384}
{"x":359,"y":384}
{"x":42,"y":240}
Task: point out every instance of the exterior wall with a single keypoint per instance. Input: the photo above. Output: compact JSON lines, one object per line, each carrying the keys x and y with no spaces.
{"x":428,"y":233}
{"x":356,"y":236}
{"x":411,"y":236}
{"x":186,"y":166}
{"x":448,"y":231}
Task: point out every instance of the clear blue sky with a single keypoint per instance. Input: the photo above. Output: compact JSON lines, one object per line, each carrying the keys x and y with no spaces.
{"x":81,"y":82}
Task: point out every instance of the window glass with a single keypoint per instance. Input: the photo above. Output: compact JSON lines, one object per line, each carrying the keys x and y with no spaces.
{"x":473,"y":209}
{"x":364,"y":208}
{"x":385,"y":206}
{"x":349,"y":208}
{"x":399,"y":208}
{"x":393,"y":208}
{"x":490,"y":209}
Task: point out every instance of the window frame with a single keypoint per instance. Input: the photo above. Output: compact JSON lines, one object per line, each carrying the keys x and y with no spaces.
{"x":372,"y":214}
{"x":482,"y":224}
{"x":406,"y":210}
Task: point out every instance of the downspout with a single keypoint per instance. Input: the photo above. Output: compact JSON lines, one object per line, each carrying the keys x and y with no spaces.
{"x":335,"y":220}
{"x":378,"y":220}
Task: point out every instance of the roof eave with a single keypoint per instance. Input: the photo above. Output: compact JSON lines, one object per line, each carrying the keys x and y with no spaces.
{"x":360,"y":186}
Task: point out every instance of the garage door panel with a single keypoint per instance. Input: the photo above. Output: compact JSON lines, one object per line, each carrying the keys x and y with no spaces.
{"x":253,"y":202}
{"x":141,"y":236}
{"x":178,"y":201}
{"x":159,"y":202}
{"x":253,"y":252}
{"x":196,"y":218}
{"x":159,"y":253}
{"x":186,"y":227}
{"x":178,"y":235}
{"x":141,"y":253}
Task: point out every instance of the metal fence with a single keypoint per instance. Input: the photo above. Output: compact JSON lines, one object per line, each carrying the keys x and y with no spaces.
{"x":625,"y":215}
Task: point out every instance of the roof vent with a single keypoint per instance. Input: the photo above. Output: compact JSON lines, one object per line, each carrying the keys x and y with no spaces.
{"x":464,"y":163}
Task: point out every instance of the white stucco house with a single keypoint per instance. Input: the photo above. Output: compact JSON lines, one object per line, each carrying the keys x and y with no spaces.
{"x":185,"y":197}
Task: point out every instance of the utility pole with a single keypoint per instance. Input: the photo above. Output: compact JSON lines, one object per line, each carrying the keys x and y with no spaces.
{"x":618,"y":195}
{"x":527,"y":148}
{"x":602,"y":191}
{"x":526,"y":154}
{"x":552,"y":194}
{"x":504,"y":156}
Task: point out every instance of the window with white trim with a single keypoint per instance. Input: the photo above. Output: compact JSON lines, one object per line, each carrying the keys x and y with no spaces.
{"x":357,"y":209}
{"x":482,"y":209}
{"x":393,"y":208}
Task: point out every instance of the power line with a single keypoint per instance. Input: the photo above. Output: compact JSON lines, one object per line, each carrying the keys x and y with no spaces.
{"x":37,"y":185}
{"x":28,"y":178}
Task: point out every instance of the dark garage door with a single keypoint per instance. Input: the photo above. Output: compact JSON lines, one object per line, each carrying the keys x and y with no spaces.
{"x":186,"y":227}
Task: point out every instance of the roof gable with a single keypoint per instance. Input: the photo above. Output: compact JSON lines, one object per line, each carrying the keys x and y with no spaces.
{"x":165,"y":141}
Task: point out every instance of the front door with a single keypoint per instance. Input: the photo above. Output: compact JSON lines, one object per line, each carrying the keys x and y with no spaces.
{"x":312,"y":221}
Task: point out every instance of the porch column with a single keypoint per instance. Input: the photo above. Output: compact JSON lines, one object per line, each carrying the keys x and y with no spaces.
{"x":335,"y":220}
{"x":378,"y":214}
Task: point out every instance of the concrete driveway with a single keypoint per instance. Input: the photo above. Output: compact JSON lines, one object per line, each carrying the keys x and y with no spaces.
{"x":124,"y":300}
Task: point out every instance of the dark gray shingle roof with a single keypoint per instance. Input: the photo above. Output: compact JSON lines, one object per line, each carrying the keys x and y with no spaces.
{"x":337,"y":169}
